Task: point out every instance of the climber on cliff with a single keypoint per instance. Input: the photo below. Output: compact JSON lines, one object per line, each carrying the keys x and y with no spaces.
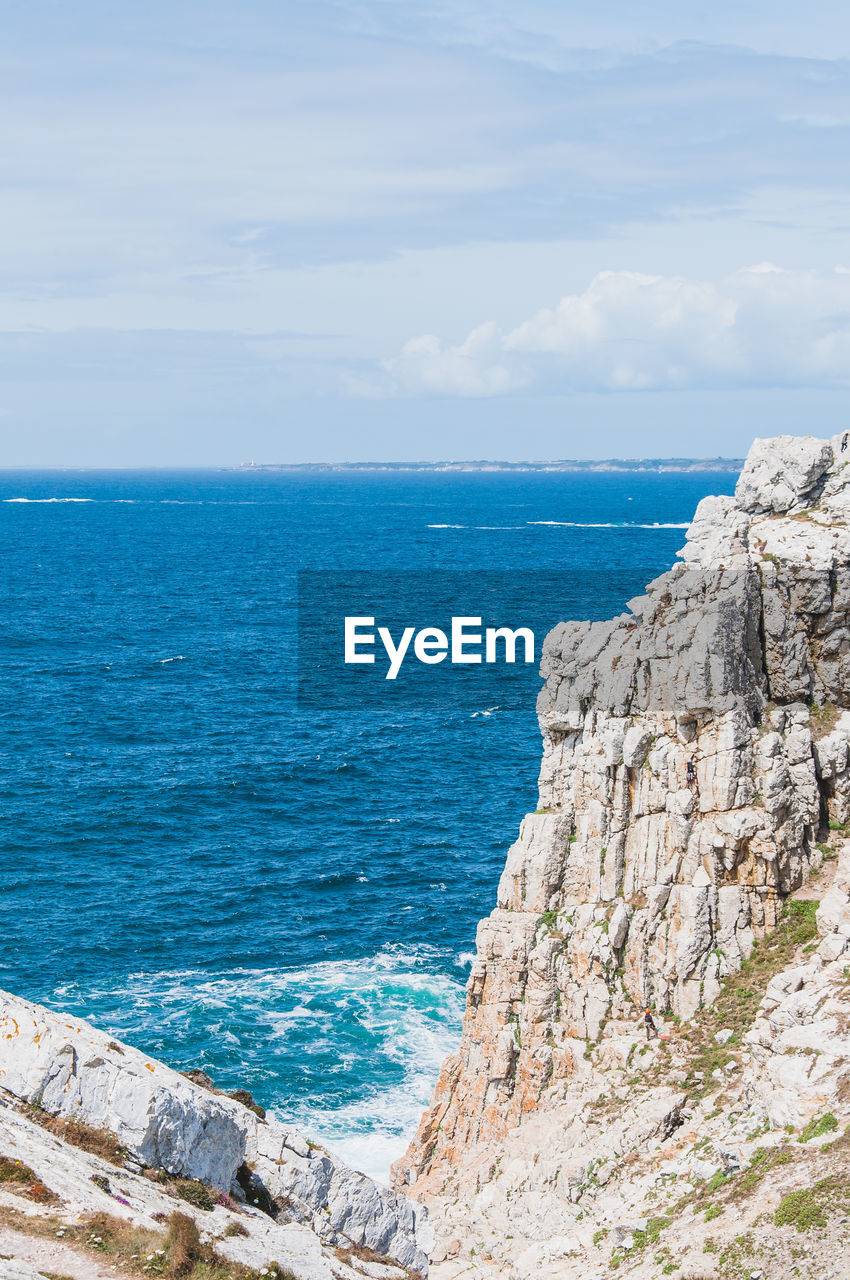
{"x":844,"y":440}
{"x":691,"y":775}
{"x":651,"y":1029}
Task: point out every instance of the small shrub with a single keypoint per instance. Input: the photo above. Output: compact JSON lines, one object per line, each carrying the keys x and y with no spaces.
{"x":713,"y":1211}
{"x":193,"y":1192}
{"x":654,"y":1227}
{"x":246,"y":1099}
{"x":801,"y":913}
{"x":800,"y":1209}
{"x":178,"y":1252}
{"x":41,"y":1194}
{"x":823,"y":718}
{"x":199,"y":1077}
{"x":98,"y":1142}
{"x":18,"y":1177}
{"x":362,"y":1253}
{"x":815,"y":1128}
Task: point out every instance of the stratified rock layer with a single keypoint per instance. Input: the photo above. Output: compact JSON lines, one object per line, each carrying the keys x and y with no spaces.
{"x":695,"y":749}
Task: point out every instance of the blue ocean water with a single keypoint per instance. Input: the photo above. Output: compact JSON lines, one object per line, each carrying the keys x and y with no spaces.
{"x":285,"y":897}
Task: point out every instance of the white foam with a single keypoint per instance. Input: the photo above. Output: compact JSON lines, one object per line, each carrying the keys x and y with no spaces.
{"x":48,"y":499}
{"x":395,"y":1014}
{"x":610,"y":524}
{"x":445,"y":526}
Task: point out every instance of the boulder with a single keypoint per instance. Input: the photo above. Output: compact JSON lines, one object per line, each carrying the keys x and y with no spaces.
{"x":783,"y":472}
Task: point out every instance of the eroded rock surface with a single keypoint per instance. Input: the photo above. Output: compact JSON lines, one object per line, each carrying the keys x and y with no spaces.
{"x":676,"y":1155}
{"x":695,"y":752}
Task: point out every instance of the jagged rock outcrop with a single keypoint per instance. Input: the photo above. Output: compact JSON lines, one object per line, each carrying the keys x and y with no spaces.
{"x":695,"y":750}
{"x":68,"y":1068}
{"x":720,"y":1149}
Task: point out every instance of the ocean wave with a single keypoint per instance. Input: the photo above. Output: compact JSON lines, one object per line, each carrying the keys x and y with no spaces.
{"x":569,"y":524}
{"x":48,"y":499}
{"x":611,"y":524}
{"x":378,"y":1026}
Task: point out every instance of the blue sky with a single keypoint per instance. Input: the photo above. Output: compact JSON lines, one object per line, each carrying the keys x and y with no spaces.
{"x":351,"y":229}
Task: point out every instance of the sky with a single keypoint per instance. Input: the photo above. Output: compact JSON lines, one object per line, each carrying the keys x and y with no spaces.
{"x":330,"y":230}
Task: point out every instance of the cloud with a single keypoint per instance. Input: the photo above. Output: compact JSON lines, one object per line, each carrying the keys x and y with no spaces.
{"x":759,"y":327}
{"x":473,"y":368}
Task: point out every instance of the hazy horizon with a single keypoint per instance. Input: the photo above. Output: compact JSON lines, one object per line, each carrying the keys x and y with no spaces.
{"x":390,"y":463}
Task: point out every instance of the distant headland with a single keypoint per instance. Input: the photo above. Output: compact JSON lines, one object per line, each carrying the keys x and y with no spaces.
{"x":732,"y":465}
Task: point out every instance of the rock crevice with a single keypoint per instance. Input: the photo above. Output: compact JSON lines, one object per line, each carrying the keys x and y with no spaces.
{"x":695,"y":751}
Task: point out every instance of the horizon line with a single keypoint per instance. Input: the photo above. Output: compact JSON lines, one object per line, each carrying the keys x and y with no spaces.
{"x":717,"y":462}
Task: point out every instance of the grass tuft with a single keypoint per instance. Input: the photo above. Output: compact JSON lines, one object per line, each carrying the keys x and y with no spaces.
{"x":182,"y":1244}
{"x":98,"y":1142}
{"x":18,"y":1177}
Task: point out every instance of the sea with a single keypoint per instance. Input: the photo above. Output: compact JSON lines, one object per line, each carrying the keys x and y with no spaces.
{"x":279,"y":890}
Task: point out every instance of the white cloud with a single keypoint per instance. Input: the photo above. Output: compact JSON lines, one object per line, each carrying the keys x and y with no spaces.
{"x":473,"y":368}
{"x":760,"y":327}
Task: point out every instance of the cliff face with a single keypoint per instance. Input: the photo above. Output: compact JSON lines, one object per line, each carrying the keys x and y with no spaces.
{"x":695,"y":751}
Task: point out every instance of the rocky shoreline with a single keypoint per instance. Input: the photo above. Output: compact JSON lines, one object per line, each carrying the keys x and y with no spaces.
{"x":690,"y":853}
{"x":271,"y":1196}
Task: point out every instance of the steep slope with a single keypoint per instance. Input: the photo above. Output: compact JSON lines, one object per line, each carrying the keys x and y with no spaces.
{"x":257,"y":1186}
{"x":695,"y":754}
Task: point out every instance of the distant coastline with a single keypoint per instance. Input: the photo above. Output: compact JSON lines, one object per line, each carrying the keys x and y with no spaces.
{"x":729,"y":465}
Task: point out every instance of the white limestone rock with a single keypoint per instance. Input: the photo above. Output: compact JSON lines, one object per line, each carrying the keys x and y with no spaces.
{"x":782,"y":473}
{"x":69,"y":1068}
{"x":636,"y":746}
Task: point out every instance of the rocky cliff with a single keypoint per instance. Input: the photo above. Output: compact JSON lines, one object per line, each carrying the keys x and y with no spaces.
{"x":695,"y":758}
{"x":105,"y":1129}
